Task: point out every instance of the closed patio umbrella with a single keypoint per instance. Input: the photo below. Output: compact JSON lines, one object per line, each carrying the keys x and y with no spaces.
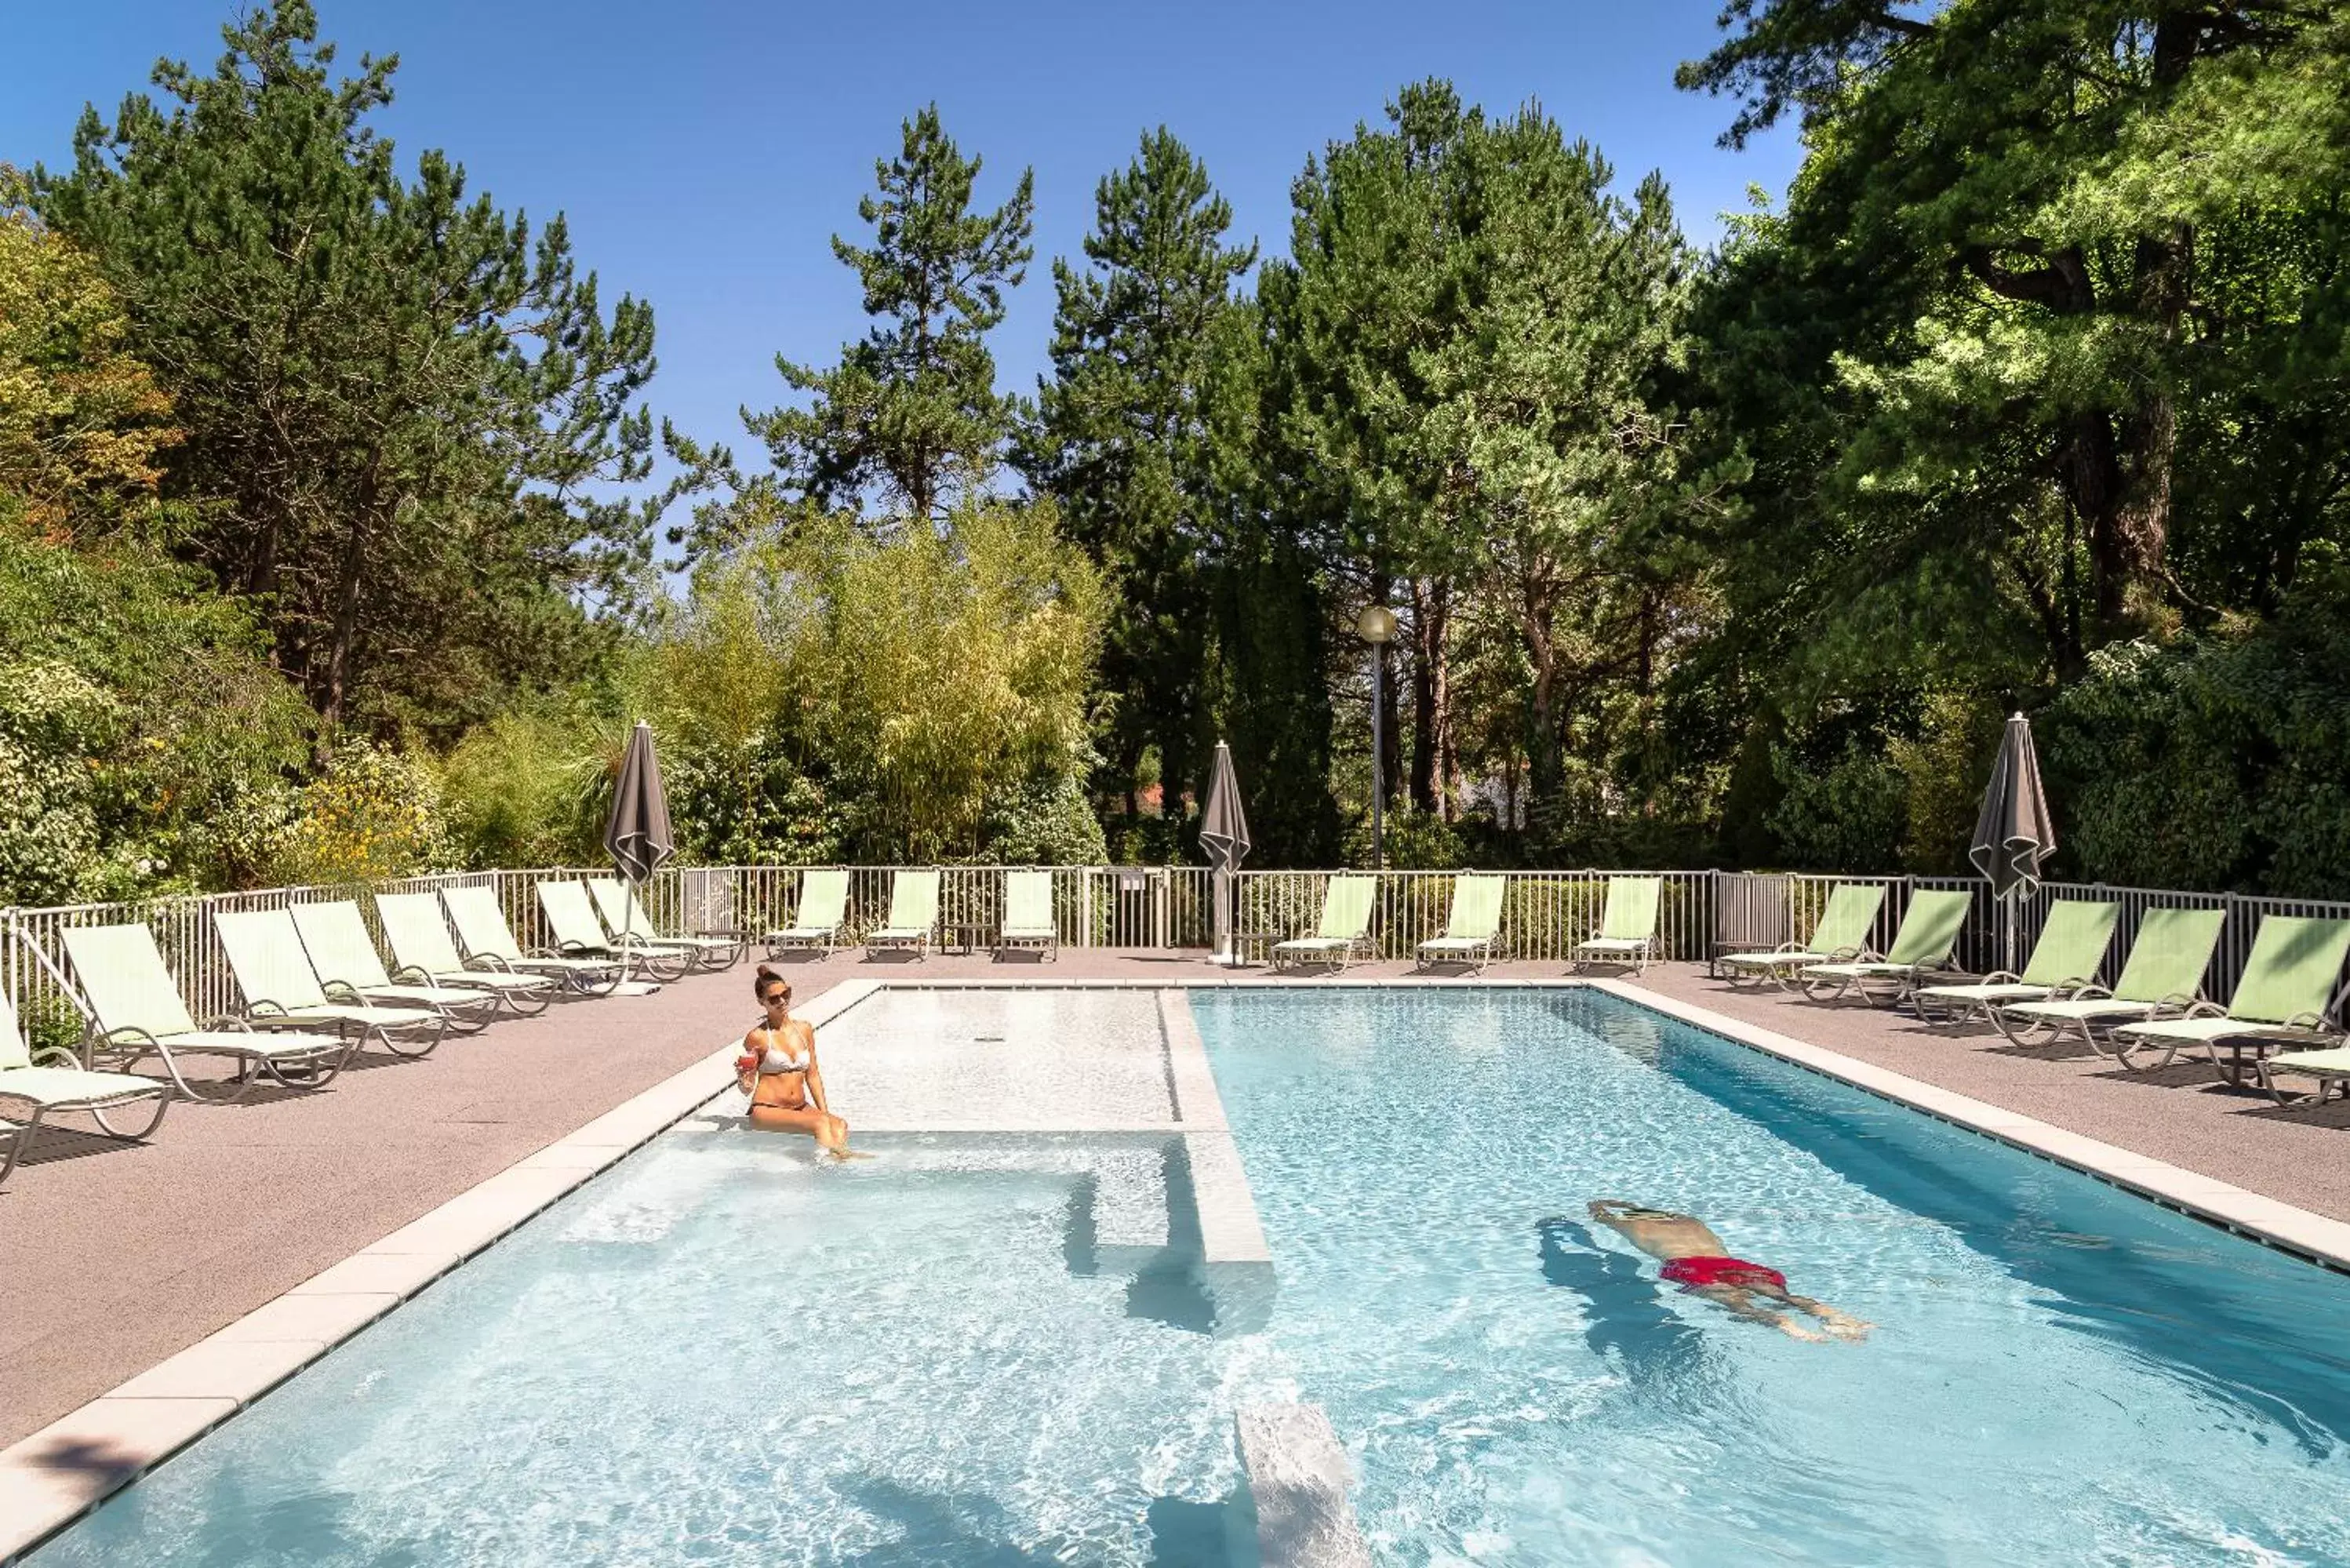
{"x":637,"y":835}
{"x":2014,"y":835}
{"x":1224,"y":836}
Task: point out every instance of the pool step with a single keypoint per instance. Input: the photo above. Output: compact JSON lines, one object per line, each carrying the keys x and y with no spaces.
{"x":1297,"y":1472}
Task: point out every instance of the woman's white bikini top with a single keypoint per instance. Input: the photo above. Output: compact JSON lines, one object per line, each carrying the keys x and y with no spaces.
{"x":776,"y":1060}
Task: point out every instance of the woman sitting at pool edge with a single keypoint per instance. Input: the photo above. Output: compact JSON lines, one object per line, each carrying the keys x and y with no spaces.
{"x":777,"y":1069}
{"x":1696,"y":1260}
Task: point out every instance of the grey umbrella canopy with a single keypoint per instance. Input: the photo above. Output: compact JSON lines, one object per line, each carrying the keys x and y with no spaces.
{"x":1224,"y":837}
{"x":637,"y":835}
{"x":2014,"y":834}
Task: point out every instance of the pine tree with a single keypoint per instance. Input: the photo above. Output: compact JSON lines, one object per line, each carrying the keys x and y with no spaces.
{"x":394,"y":397}
{"x":911,"y":411}
{"x":1120,"y":440}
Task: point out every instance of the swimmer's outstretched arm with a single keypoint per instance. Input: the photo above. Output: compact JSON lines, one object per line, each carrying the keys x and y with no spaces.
{"x":1842,"y":1324}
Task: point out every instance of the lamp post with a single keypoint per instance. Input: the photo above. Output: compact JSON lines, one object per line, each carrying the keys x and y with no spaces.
{"x":1377,"y":626}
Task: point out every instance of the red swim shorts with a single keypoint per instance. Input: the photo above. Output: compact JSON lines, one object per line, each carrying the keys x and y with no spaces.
{"x":1697,"y":1273}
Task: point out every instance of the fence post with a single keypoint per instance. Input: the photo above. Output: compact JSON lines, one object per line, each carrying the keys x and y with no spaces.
{"x":1086,"y":905}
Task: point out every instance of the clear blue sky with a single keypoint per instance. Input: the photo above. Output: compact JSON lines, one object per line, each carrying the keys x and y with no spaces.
{"x":705,"y":149}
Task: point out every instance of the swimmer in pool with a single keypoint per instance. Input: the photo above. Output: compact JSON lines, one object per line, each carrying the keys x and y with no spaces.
{"x":777,"y":1069}
{"x":1696,"y":1260}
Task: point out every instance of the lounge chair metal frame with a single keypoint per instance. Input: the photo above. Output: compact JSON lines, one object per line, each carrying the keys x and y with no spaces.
{"x":2171,"y":943}
{"x":135,"y":1012}
{"x":1914,"y":954}
{"x":2069,"y":967}
{"x":282,"y":990}
{"x":1839,"y":936}
{"x":2294,"y":959}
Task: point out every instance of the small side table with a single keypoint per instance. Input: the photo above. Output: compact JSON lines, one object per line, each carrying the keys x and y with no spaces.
{"x":1261,"y":940}
{"x":968,"y":936}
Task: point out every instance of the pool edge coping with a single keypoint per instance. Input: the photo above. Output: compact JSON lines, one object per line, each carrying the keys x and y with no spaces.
{"x":153,"y":1415}
{"x":2272,"y":1222}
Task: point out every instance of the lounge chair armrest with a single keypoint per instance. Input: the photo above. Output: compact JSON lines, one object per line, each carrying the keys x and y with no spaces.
{"x":231,"y":1021}
{"x":494,"y":963}
{"x":2000,"y":976}
{"x":411,"y":974}
{"x":2311,"y":1020}
{"x":2201,"y":1009}
{"x":344,"y":993}
{"x":263,"y":1007}
{"x":59,"y":1054}
{"x":122,"y":1041}
{"x":2091,"y":992}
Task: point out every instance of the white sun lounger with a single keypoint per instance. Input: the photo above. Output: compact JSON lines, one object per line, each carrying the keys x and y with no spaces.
{"x":53,"y":1082}
{"x":420,"y":946}
{"x":135,"y":1012}
{"x":489,"y":942}
{"x":623,"y":911}
{"x":281,"y":989}
{"x":823,"y":911}
{"x":343,"y":954}
{"x":571,"y":920}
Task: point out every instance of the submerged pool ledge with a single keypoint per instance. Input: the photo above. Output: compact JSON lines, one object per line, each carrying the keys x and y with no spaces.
{"x":53,"y":1477}
{"x":2257,"y":1217}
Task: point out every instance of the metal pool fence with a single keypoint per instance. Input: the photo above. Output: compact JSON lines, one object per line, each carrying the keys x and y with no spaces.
{"x":1544,"y":915}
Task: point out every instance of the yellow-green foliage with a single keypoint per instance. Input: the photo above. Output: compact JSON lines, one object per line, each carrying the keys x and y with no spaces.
{"x":373,"y":815}
{"x":80,"y":419}
{"x":527,"y":788}
{"x":922,"y":675}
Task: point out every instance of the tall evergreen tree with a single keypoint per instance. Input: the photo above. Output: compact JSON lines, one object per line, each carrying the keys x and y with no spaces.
{"x":1121,"y":438}
{"x":911,"y":412}
{"x":395,"y":398}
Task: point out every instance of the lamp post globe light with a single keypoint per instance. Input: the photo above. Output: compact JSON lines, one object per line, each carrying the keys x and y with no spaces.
{"x":1377,"y":626}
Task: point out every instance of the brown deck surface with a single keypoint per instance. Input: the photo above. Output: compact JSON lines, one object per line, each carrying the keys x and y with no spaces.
{"x":112,"y":1258}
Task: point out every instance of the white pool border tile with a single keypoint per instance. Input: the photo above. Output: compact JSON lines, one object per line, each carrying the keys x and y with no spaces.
{"x":153,"y":1415}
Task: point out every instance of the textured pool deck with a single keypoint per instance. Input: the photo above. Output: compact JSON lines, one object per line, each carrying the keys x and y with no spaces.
{"x":127,"y":1274}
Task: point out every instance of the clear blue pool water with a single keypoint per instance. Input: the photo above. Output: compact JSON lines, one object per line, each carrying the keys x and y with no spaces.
{"x":999,"y":1350}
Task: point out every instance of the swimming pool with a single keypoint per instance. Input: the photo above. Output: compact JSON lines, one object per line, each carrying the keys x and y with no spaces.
{"x":1000,"y":1348}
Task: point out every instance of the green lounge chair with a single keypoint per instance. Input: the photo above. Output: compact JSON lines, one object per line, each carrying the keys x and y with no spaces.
{"x":1473,"y":925}
{"x":282,"y":990}
{"x":135,"y":1012}
{"x":488,"y":942}
{"x":53,"y":1082}
{"x":1028,"y":914}
{"x":2068,"y":955}
{"x":343,"y":956}
{"x":2286,"y":999}
{"x":1627,"y":926}
{"x":913,"y":914}
{"x":623,"y":911}
{"x":423,"y":952}
{"x":1345,"y":932}
{"x":2163,"y":975}
{"x":1840,"y":936}
{"x":1929,"y":933}
{"x":823,"y":911}
{"x":571,"y":920}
